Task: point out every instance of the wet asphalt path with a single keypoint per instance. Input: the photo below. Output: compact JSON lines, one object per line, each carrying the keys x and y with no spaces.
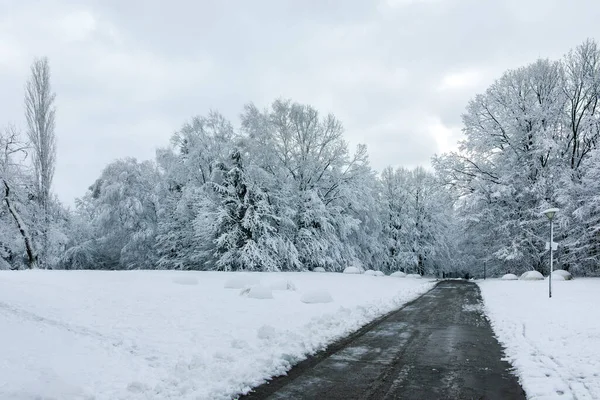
{"x":439,"y":346}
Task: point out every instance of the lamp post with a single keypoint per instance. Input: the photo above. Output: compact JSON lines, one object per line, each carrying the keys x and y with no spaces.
{"x":550,"y":213}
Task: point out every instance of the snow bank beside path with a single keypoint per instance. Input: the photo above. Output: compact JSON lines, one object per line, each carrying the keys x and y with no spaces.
{"x":554,"y":344}
{"x":154,"y":335}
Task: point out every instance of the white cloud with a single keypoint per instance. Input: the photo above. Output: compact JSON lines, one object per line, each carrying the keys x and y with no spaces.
{"x":76,"y":25}
{"x":460,"y":80}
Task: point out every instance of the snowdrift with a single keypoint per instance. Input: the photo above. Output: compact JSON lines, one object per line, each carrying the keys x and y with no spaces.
{"x":352,"y":270}
{"x":398,"y":274}
{"x":532,"y":276}
{"x":561,"y":272}
{"x":319,"y":269}
{"x":510,"y":277}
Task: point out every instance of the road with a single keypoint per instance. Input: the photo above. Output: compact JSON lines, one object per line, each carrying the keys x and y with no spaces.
{"x":439,"y":346}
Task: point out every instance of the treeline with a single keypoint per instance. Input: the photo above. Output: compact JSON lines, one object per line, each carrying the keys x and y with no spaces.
{"x":281,"y":193}
{"x":281,"y":190}
{"x":531,"y":143}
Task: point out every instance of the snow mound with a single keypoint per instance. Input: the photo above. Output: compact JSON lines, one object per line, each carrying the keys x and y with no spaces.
{"x":316,"y":296}
{"x":510,"y":277}
{"x":558,"y":278}
{"x":414,"y":276}
{"x":319,"y":269}
{"x":352,"y":270}
{"x":266,"y":332}
{"x":241,"y":282}
{"x":370,"y":272}
{"x":258,"y":292}
{"x":185,"y":280}
{"x":379,"y":273}
{"x":561,"y":272}
{"x":282,"y":285}
{"x":398,"y":274}
{"x":532,"y":276}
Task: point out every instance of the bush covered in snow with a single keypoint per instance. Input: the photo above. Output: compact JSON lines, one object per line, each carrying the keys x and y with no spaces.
{"x":398,"y":274}
{"x":510,"y":277}
{"x":185,"y":280}
{"x":241,"y":281}
{"x":561,"y":272}
{"x":257,"y":292}
{"x":532,"y":276}
{"x":370,"y":272}
{"x":352,"y":270}
{"x":319,"y":269}
{"x":414,"y":276}
{"x":316,"y":296}
{"x":282,"y":285}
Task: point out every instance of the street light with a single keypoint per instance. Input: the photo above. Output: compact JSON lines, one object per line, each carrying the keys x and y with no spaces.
{"x":550,"y":213}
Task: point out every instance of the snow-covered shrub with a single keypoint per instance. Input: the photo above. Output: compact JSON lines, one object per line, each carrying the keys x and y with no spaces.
{"x":316,"y":296}
{"x":532,"y":276}
{"x":370,"y":272}
{"x":352,"y":270}
{"x":241,"y":281}
{"x":282,"y":285}
{"x":379,"y":273}
{"x":398,"y":274}
{"x":185,"y":280}
{"x":319,"y":269}
{"x":414,"y":276}
{"x":510,"y":277}
{"x":558,"y":277}
{"x":257,"y":292}
{"x":561,"y":272}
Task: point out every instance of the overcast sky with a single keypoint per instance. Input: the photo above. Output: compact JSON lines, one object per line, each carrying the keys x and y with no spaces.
{"x":398,"y":73}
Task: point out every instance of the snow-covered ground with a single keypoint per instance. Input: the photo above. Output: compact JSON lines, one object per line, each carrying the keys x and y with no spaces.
{"x":554,"y":344}
{"x":165,"y":334}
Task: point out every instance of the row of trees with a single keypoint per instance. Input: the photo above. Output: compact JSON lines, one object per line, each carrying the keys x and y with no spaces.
{"x":531,"y":142}
{"x":283,"y":191}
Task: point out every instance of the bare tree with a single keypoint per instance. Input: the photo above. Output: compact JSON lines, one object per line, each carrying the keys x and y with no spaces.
{"x":39,"y":112}
{"x":10,"y":174}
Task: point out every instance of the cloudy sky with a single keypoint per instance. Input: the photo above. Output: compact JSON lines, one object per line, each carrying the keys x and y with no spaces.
{"x":398,"y":73}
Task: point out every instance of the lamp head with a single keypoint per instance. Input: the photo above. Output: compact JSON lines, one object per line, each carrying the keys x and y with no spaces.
{"x":550,"y":213}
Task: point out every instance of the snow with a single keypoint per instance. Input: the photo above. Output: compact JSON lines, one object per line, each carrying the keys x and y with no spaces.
{"x":282,"y":284}
{"x":352,"y":270}
{"x":370,"y":272}
{"x":561,"y":272}
{"x":414,"y":276}
{"x":532,"y":276}
{"x":379,"y":273}
{"x":398,"y":274}
{"x":185,"y":280}
{"x":137,"y":335}
{"x":554,"y":344}
{"x":319,"y":269}
{"x":510,"y":277}
{"x":258,"y":292}
{"x":241,"y":281}
{"x":316,"y":296}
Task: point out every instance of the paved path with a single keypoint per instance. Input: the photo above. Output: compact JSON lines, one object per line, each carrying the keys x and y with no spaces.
{"x":440,"y":346}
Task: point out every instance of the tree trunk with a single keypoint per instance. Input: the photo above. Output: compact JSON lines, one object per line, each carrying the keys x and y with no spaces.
{"x":31,"y":256}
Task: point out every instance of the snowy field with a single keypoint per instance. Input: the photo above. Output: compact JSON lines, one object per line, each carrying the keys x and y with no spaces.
{"x":554,"y":344}
{"x":165,"y":334}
